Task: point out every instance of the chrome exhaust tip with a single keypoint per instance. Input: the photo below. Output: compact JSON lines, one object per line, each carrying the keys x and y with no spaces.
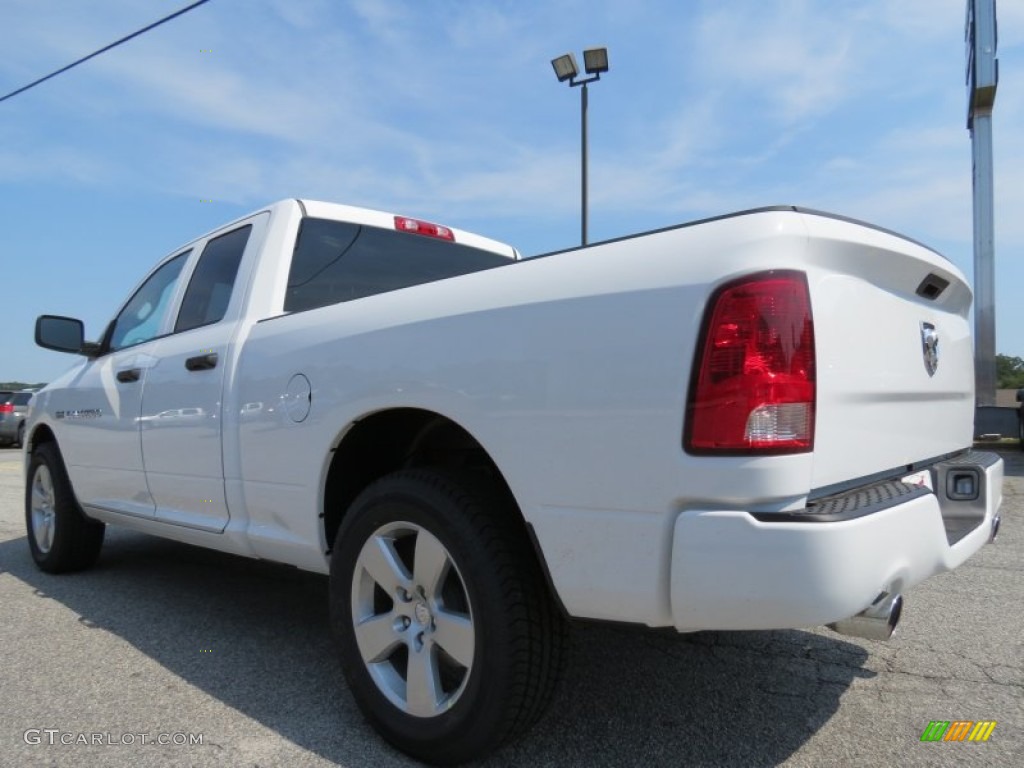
{"x":995,"y":528}
{"x":877,"y":622}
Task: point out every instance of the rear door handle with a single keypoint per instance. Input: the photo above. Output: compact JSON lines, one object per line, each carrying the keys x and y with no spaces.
{"x":129,"y":374}
{"x":202,"y":362}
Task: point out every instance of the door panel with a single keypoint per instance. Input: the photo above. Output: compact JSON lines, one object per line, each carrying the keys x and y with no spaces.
{"x":99,"y":433}
{"x":182,"y":402}
{"x":181,"y":439}
{"x":99,"y":414}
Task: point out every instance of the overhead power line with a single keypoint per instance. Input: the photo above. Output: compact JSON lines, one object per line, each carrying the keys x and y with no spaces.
{"x":114,"y":44}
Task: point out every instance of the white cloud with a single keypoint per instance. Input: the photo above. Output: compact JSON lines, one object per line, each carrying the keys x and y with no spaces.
{"x":791,"y":56}
{"x":65,"y":163}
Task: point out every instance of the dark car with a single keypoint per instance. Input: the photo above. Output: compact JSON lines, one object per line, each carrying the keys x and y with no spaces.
{"x":13,"y":407}
{"x":1020,"y":417}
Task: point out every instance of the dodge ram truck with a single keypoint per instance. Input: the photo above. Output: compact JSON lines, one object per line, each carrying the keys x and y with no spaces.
{"x":757,"y":421}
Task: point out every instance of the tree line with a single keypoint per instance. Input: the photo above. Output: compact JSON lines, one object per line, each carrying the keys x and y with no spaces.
{"x":1009,"y":372}
{"x":16,"y":385}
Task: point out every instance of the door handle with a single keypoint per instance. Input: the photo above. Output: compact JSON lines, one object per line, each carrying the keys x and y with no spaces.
{"x":202,"y":362}
{"x":129,"y":374}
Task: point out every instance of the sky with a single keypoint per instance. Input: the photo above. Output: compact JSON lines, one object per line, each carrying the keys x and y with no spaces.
{"x":449,"y":110}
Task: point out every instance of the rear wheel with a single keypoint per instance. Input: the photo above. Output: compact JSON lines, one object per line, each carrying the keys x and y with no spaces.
{"x":449,"y":640}
{"x":60,"y":536}
{"x":20,"y":441}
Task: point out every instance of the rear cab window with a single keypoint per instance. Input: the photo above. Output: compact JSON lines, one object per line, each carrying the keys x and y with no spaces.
{"x":337,"y":261}
{"x":213,"y":280}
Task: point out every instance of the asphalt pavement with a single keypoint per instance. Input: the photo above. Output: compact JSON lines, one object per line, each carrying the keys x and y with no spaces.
{"x":163,"y":642}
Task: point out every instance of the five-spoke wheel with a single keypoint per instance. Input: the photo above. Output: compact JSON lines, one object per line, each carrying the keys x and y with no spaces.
{"x":412,"y":619}
{"x":60,"y":537}
{"x":448,"y":637}
{"x":42,"y":508}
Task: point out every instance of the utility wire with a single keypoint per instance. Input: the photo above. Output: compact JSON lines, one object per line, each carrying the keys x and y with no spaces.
{"x":104,"y":49}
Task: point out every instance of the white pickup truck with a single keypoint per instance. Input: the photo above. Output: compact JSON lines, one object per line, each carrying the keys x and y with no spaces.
{"x":757,"y":421}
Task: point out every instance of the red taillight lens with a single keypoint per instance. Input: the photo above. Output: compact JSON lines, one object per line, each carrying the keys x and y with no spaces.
{"x":753,"y":388}
{"x":417,"y":227}
{"x":6,"y":408}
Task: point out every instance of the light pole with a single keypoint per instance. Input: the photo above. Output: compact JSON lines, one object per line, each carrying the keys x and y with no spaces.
{"x":982,"y":80}
{"x":595,"y":61}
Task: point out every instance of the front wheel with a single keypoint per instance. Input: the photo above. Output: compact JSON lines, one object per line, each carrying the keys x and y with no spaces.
{"x":449,"y":639}
{"x":60,"y":537}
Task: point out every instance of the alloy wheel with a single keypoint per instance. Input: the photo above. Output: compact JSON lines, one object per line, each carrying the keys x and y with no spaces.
{"x":412,"y":619}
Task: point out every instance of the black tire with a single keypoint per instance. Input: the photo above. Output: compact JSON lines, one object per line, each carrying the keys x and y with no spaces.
{"x":20,"y":440}
{"x":492,"y":680}
{"x":60,"y":536}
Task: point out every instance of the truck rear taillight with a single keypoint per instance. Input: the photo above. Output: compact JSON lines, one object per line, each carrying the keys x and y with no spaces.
{"x":417,"y":227}
{"x":753,"y":386}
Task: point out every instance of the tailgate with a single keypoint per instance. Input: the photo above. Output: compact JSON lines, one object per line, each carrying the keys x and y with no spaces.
{"x":895,"y":361}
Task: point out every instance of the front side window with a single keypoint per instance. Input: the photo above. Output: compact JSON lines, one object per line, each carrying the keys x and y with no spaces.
{"x":143,"y":315}
{"x":209,"y":291}
{"x":336,"y":261}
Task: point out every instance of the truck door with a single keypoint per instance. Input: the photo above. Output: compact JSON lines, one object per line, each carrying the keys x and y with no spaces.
{"x":182,"y":403}
{"x":100,"y":413}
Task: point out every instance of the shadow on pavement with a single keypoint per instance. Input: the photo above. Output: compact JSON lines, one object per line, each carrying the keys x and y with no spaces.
{"x":629,"y":697}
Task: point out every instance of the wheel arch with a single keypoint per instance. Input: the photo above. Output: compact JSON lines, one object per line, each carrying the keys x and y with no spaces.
{"x":40,"y":434}
{"x":398,"y":438}
{"x":405,"y":438}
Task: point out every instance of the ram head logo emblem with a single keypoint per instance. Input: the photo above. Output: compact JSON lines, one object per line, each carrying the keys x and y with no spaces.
{"x":930,"y":347}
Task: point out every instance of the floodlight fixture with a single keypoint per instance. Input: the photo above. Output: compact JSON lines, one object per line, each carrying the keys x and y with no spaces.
{"x":595,"y":60}
{"x":565,"y":67}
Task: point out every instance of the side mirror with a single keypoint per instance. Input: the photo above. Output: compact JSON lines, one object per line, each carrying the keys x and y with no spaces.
{"x":63,"y":334}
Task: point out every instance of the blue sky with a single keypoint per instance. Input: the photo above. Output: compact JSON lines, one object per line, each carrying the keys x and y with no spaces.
{"x":449,"y":110}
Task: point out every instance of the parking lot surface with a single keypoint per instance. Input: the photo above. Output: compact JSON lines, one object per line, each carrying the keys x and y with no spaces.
{"x":165,"y":642}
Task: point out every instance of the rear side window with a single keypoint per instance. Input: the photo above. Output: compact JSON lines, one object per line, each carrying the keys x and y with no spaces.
{"x":336,"y":261}
{"x":209,"y":291}
{"x":21,"y":398}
